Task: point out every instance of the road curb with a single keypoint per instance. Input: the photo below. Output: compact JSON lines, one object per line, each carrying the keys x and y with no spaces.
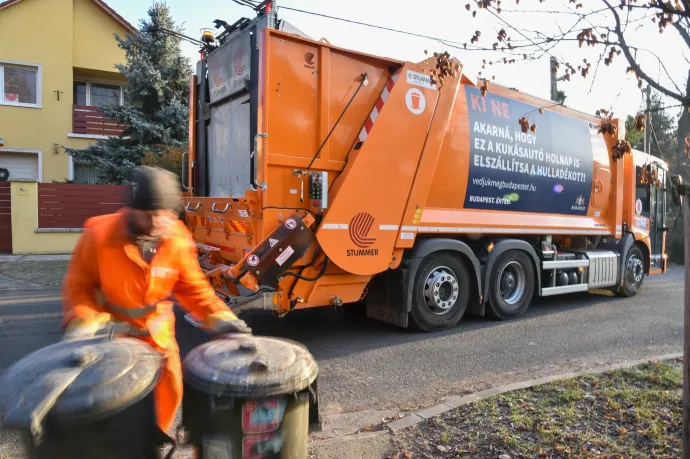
{"x":460,"y":400}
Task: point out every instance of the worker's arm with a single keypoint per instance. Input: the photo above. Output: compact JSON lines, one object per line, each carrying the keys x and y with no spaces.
{"x":81,"y":283}
{"x":196,"y":294}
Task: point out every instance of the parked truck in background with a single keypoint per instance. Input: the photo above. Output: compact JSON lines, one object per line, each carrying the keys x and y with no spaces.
{"x":321,"y":176}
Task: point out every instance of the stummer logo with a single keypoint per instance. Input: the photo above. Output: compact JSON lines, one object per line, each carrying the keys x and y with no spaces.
{"x":359,"y":229}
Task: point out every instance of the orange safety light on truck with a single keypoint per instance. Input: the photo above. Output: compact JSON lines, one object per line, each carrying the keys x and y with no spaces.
{"x":323,"y":176}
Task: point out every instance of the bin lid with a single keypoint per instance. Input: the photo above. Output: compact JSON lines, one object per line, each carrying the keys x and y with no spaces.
{"x":77,"y":380}
{"x":246,"y":366}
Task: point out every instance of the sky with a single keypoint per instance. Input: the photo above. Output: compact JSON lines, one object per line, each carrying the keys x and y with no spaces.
{"x":449,"y":20}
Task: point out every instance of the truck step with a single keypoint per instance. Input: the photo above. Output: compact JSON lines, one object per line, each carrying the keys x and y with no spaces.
{"x":550,"y":291}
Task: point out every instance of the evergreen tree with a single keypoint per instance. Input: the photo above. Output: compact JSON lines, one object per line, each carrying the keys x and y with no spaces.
{"x":155,"y":110}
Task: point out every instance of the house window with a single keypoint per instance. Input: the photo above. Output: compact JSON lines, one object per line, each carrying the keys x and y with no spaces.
{"x":96,"y":94}
{"x":20,"y":83}
{"x":85,"y":173}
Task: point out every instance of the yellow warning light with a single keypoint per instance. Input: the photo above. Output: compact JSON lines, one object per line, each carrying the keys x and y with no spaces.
{"x":580,"y":269}
{"x":490,"y":247}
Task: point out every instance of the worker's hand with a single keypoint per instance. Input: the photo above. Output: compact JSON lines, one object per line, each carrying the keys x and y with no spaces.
{"x":85,"y":328}
{"x":224,"y":322}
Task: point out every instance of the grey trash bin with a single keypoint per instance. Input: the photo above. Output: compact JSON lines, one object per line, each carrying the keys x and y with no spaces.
{"x":85,"y":399}
{"x":249,"y":397}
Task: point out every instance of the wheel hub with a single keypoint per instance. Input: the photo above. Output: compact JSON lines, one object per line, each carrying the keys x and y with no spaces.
{"x":512,"y":282}
{"x":635,"y":268}
{"x":441,"y":290}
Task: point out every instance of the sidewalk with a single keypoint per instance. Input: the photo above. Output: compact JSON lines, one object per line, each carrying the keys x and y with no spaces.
{"x":32,"y":271}
{"x":10,"y":258}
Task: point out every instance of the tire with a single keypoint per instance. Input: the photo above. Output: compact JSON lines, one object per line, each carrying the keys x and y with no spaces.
{"x":441,"y":292}
{"x":511,"y":285}
{"x":633,"y":272}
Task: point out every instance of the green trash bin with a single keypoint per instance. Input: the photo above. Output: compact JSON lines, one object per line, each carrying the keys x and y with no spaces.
{"x":84,"y":399}
{"x":249,"y":397}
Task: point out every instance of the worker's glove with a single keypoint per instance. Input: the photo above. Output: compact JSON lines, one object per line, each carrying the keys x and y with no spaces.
{"x":85,"y":328}
{"x":226,"y":322}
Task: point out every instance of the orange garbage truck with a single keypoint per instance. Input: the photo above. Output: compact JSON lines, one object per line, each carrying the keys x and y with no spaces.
{"x":322,"y":176}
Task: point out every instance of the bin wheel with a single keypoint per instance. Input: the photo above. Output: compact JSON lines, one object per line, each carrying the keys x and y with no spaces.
{"x":633,"y":274}
{"x":511,"y":285}
{"x":192,"y":320}
{"x":441,"y":292}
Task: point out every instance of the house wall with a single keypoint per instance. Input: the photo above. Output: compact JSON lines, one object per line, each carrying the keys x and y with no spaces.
{"x":58,"y":35}
{"x":94,"y":41}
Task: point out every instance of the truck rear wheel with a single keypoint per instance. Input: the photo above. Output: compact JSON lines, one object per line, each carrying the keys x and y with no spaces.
{"x":633,"y":276}
{"x":511,"y":285}
{"x":441,"y":292}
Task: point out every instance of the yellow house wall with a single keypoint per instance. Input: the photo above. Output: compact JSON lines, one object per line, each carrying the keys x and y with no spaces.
{"x":25,"y":239}
{"x":94,"y":42}
{"x":54,"y":48}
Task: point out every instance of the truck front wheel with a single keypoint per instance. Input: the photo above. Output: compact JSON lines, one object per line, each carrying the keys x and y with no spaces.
{"x":441,"y":292}
{"x":633,"y":274}
{"x":511,"y":285}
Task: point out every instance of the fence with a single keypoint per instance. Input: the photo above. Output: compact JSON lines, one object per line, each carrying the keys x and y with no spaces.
{"x":5,"y":218}
{"x":66,"y":205}
{"x":90,"y":120}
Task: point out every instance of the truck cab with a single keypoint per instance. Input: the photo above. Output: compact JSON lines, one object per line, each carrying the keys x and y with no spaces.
{"x":649,"y":220}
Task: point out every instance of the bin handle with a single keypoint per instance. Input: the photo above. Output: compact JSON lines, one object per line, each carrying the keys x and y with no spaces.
{"x":29,"y":409}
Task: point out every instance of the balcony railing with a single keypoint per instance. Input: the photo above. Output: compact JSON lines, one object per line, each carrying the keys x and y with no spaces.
{"x":90,"y":120}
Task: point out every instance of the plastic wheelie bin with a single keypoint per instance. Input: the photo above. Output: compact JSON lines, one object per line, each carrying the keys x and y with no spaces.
{"x":85,"y":399}
{"x":249,"y":397}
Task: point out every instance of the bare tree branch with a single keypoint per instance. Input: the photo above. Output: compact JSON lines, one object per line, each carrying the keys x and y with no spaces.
{"x":633,"y":63}
{"x":683,"y":32}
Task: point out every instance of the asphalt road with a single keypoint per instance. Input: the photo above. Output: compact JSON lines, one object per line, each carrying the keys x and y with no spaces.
{"x":374,"y":369}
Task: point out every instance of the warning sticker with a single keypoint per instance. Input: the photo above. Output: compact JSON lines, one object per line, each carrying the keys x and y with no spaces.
{"x":272,"y":241}
{"x":406,"y":236}
{"x":282,"y":258}
{"x":261,"y":446}
{"x":261,"y":416}
{"x":253,"y":260}
{"x":290,"y":223}
{"x":243,"y":213}
{"x":638,"y":206}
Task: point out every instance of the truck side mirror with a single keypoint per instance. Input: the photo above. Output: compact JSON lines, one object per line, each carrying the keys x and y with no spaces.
{"x":676,"y":193}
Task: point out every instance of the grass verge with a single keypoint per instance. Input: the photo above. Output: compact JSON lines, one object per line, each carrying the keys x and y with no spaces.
{"x":629,"y":413}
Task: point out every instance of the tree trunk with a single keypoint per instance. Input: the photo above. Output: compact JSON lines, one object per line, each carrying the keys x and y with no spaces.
{"x":686,"y":334}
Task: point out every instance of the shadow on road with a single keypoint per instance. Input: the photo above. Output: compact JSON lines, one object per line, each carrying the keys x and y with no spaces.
{"x":331,"y":333}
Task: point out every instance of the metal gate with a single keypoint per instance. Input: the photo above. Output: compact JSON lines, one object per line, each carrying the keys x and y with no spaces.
{"x":5,"y":218}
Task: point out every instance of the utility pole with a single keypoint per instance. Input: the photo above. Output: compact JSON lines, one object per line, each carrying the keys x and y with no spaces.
{"x":554,"y":79}
{"x":648,"y":122}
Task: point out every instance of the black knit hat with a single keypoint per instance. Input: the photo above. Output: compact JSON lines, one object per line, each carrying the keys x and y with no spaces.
{"x":154,"y":188}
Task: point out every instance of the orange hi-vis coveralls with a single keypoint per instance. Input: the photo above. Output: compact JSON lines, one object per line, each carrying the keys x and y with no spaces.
{"x":107,"y":261}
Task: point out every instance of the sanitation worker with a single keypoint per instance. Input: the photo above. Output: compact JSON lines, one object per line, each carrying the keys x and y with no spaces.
{"x":127,"y":266}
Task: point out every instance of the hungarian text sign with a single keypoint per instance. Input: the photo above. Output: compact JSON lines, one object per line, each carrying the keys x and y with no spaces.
{"x":547,"y":171}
